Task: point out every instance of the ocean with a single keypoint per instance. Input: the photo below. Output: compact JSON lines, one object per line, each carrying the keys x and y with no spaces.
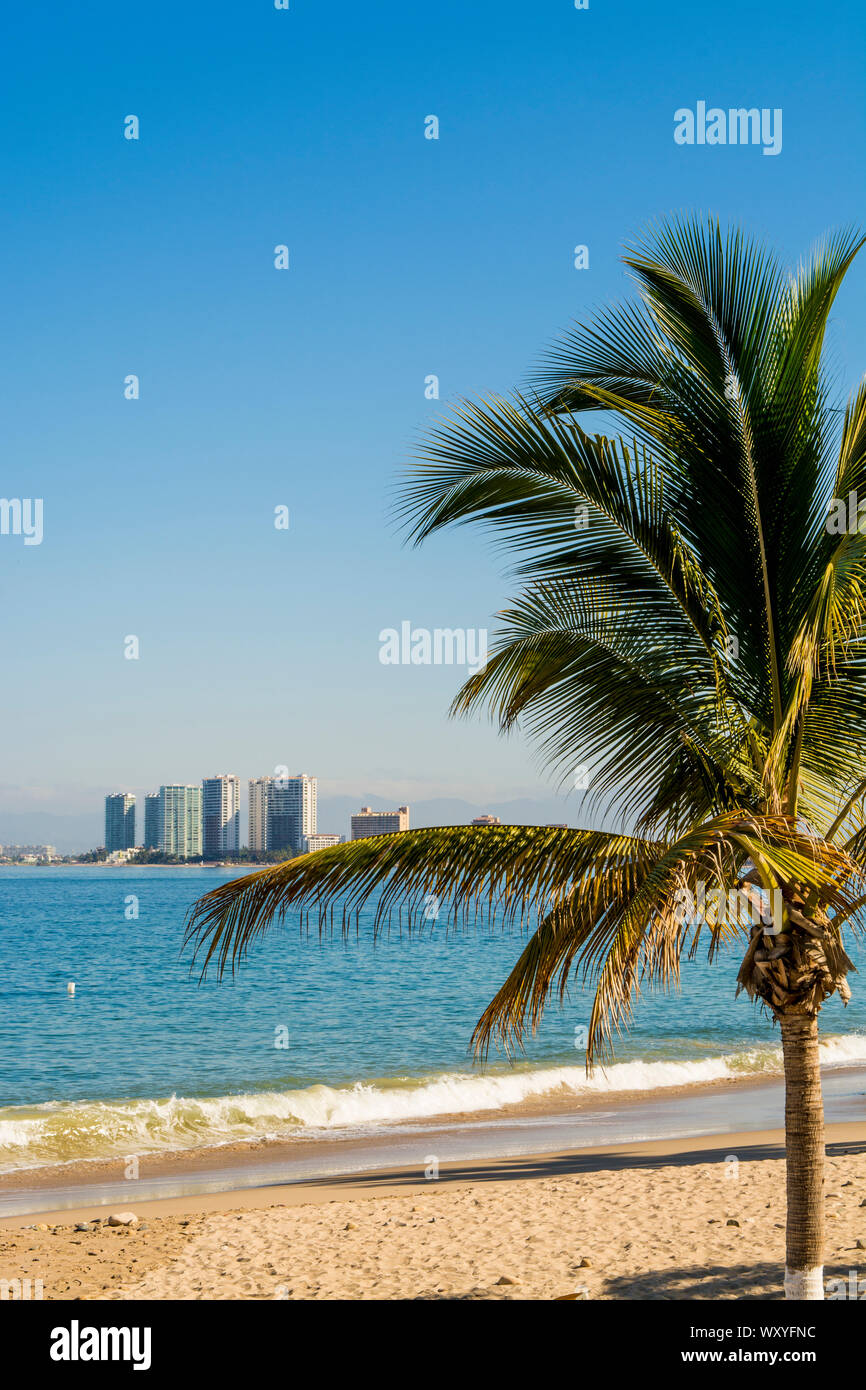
{"x":313,"y":1038}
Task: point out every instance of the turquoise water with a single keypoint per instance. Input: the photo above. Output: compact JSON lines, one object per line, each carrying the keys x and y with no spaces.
{"x":145,"y":1057}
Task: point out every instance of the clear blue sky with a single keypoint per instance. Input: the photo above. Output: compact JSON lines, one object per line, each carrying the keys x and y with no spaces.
{"x":408,"y":257}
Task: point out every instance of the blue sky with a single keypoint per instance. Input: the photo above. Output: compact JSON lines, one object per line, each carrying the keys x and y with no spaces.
{"x":306,"y":388}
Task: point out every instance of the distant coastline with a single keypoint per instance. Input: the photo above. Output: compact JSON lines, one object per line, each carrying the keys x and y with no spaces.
{"x":142,"y":864}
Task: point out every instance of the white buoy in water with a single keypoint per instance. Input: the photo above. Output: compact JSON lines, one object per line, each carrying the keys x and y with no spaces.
{"x":70,"y":988}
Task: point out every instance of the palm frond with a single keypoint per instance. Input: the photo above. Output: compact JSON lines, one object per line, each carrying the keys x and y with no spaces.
{"x":593,"y":900}
{"x":623,"y":924}
{"x":689,"y":628}
{"x":599,"y":683}
{"x":504,"y":874}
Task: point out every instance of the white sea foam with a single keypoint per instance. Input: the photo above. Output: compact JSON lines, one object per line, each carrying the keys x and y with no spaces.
{"x":59,"y":1132}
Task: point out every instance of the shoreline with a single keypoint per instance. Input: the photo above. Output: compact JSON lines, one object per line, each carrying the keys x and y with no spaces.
{"x":654,"y":1220}
{"x":753,"y":1146}
{"x":316,"y":1143}
{"x":688,"y":1114}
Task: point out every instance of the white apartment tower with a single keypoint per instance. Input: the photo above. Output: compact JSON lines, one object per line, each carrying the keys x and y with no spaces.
{"x":258,"y":812}
{"x":180,"y":820}
{"x":221,"y":814}
{"x":283,"y":812}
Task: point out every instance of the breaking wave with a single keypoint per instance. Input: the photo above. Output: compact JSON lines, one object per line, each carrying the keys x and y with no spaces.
{"x":66,"y":1131}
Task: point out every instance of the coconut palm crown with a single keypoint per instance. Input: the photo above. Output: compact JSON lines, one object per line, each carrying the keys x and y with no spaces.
{"x":690,"y":628}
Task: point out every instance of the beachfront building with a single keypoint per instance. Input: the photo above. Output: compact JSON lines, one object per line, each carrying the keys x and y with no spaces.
{"x":258,"y":813}
{"x":34,"y":854}
{"x":119,"y":821}
{"x":322,"y":840}
{"x":292,"y":812}
{"x":485,"y":820}
{"x":221,"y":814}
{"x":152,"y":824}
{"x":369,"y":822}
{"x":180,"y":820}
{"x":283,"y":812}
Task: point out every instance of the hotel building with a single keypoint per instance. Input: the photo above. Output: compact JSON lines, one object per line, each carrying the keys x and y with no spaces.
{"x":180,"y":820}
{"x":119,"y":821}
{"x":321,"y":840}
{"x":283,"y":812}
{"x":369,"y":822}
{"x":221,"y":814}
{"x":258,"y":813}
{"x":152,"y":826}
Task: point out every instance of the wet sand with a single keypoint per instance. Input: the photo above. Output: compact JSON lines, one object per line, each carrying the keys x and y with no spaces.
{"x":699,"y":1218}
{"x":546,"y":1124}
{"x":539,"y":1202}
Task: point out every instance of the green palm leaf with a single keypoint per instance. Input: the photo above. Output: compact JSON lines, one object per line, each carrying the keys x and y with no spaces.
{"x":689,"y":628}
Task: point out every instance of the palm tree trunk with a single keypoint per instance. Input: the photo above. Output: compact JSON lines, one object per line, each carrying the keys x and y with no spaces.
{"x":804,"y":1146}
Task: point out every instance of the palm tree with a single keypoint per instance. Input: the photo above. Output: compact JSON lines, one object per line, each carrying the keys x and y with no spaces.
{"x":690,"y":627}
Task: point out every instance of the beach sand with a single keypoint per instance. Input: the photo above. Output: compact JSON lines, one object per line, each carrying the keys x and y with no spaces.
{"x":637,"y":1221}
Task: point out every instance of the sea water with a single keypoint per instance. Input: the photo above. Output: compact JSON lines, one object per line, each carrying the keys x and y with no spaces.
{"x":313,"y":1037}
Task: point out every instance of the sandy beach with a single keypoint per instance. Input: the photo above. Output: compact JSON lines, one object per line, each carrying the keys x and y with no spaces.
{"x":675,"y":1219}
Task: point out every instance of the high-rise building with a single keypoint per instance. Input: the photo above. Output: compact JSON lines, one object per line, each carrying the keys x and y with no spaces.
{"x":321,"y":840}
{"x":180,"y":820}
{"x":119,"y":821}
{"x":152,"y":825}
{"x":369,"y":822}
{"x":283,"y":811}
{"x":292,"y":812}
{"x":307,"y":797}
{"x":258,"y":813}
{"x":36,"y":853}
{"x":221,"y":814}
